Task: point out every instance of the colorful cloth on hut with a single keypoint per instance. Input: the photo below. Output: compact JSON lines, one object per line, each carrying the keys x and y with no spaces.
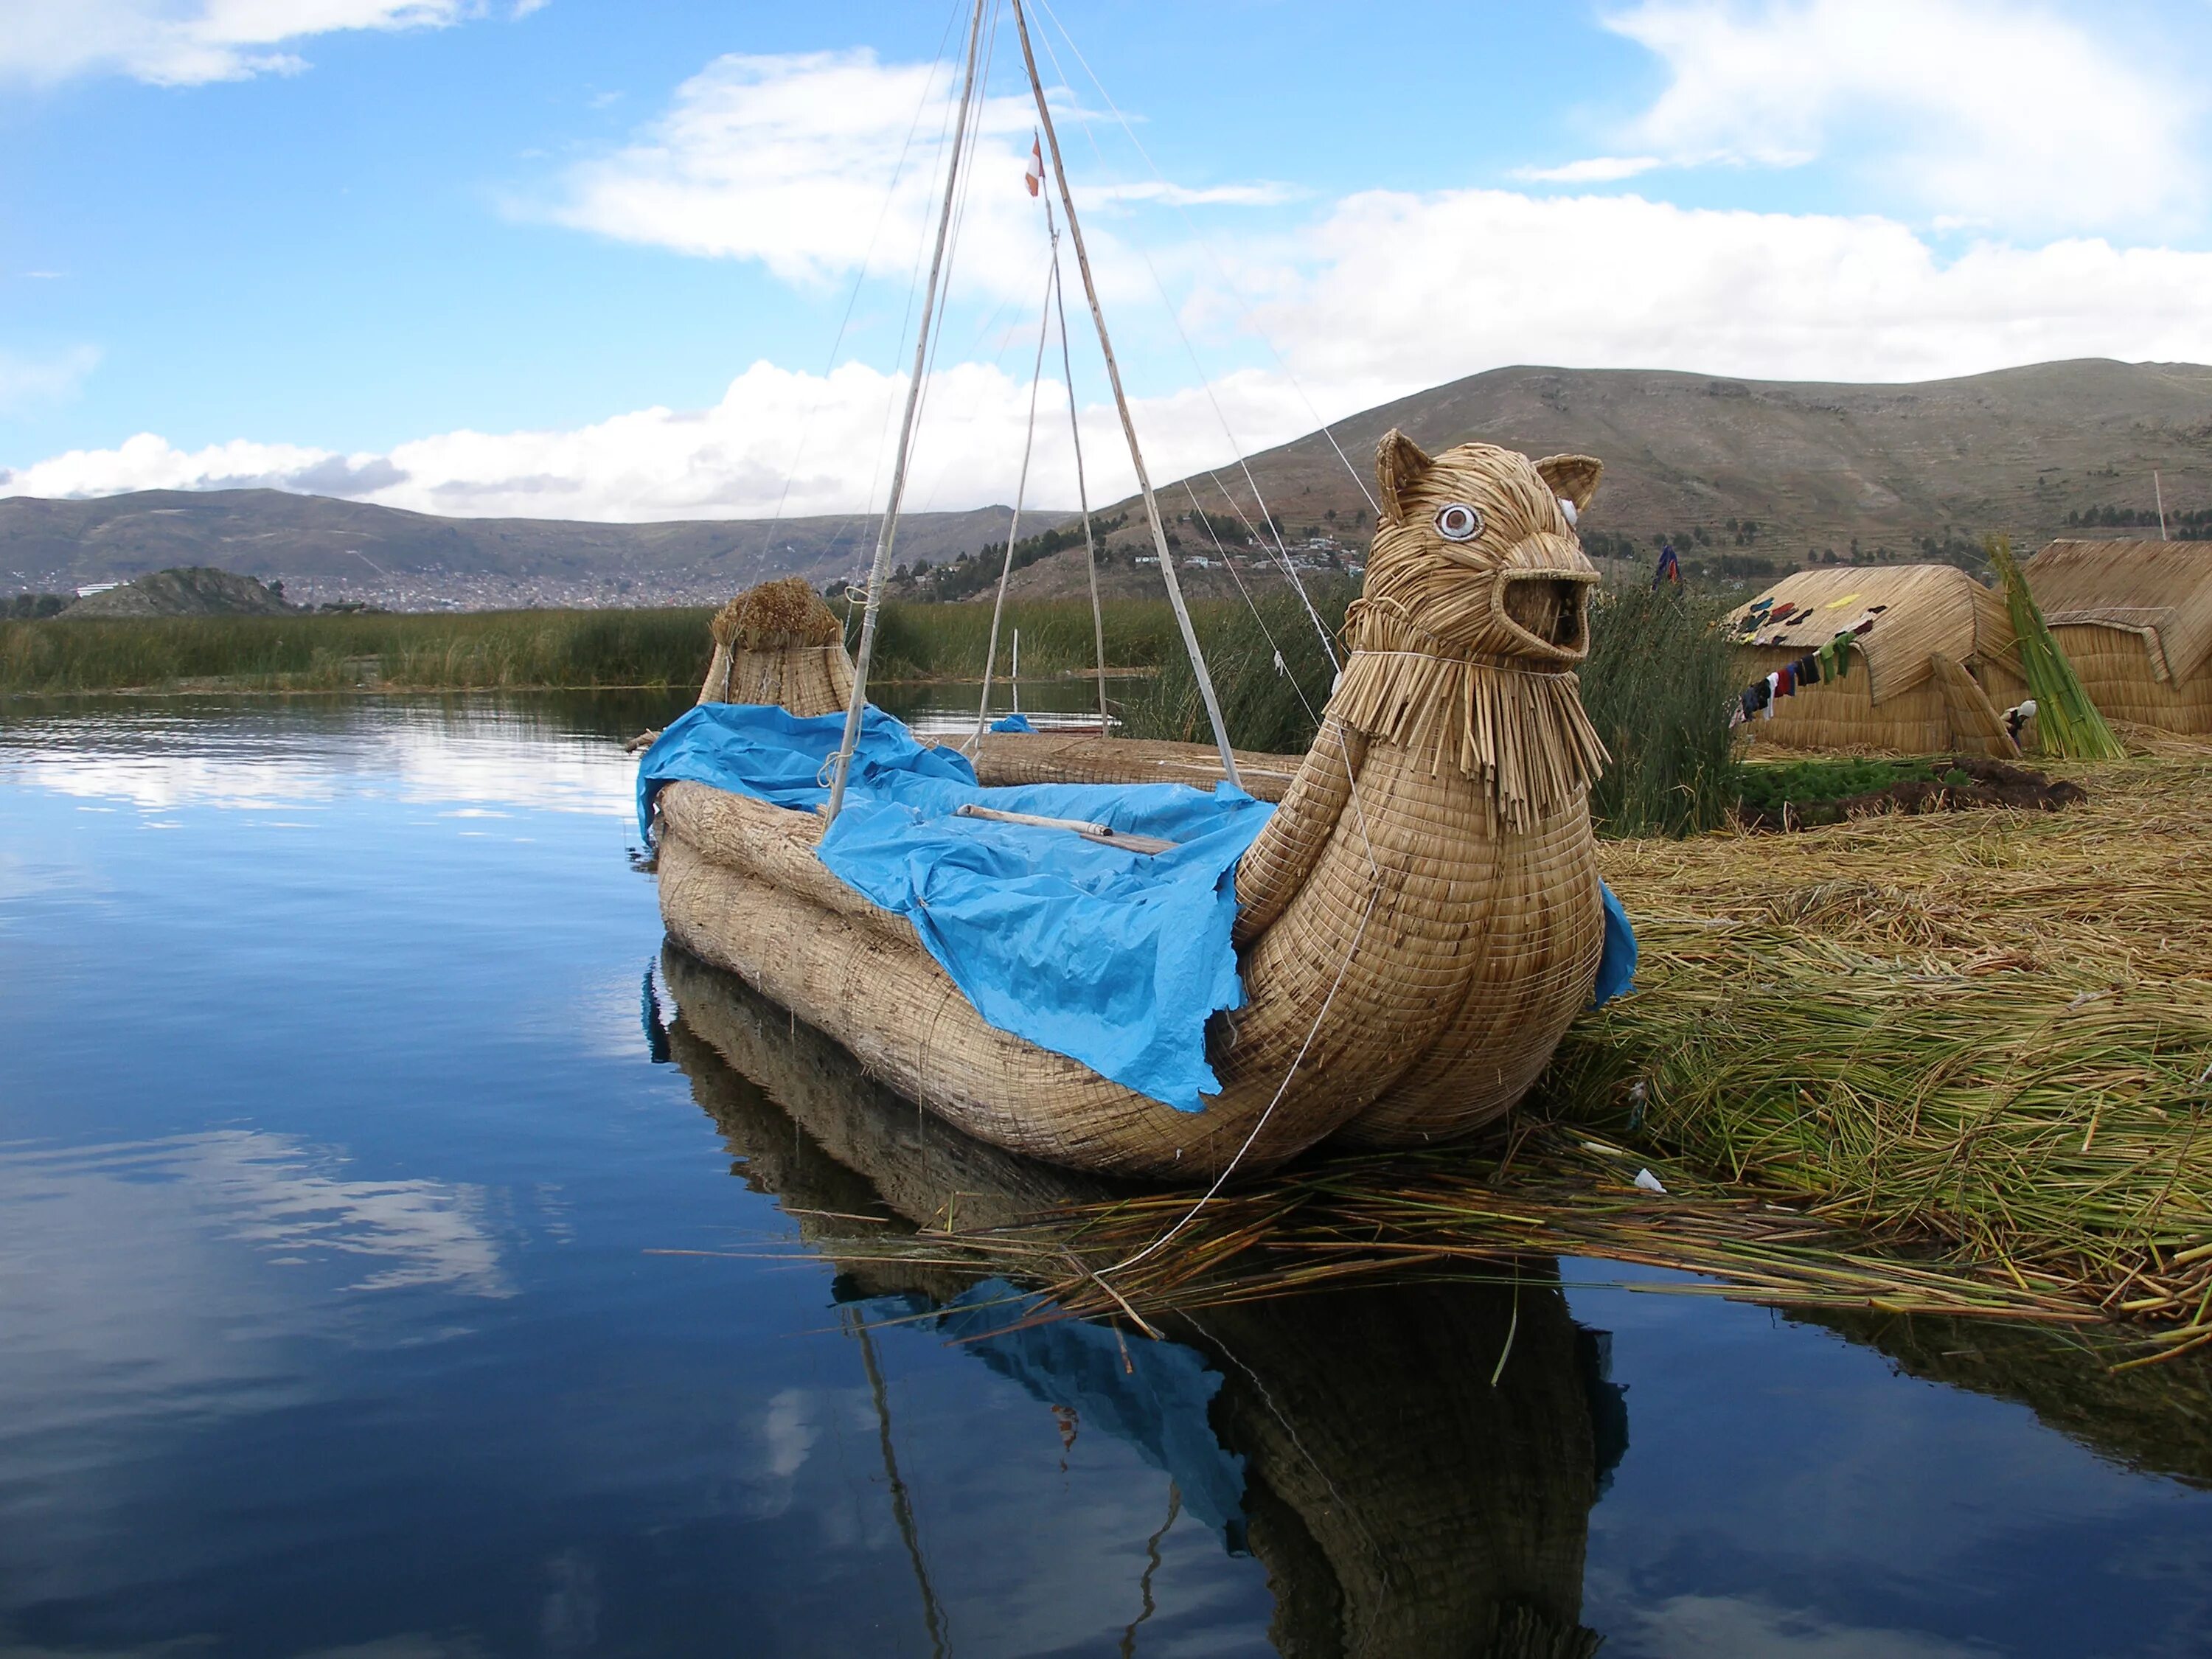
{"x":1832,"y":661}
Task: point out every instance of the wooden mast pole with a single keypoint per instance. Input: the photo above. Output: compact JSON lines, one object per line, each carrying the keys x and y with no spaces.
{"x":889,"y":529}
{"x":1121,"y":403}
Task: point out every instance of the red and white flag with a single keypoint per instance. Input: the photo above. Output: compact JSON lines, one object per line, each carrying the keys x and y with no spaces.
{"x":1033,"y":176}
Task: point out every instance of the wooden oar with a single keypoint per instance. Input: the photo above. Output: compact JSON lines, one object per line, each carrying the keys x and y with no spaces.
{"x":1104,"y":834}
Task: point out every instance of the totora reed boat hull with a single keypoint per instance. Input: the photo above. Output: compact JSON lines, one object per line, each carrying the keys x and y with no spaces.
{"x":1417,"y":925}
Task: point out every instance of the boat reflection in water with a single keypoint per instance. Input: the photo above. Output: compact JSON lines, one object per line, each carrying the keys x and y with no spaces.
{"x":1354,"y":1443}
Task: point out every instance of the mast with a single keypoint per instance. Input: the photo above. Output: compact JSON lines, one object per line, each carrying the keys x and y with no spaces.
{"x":889,"y":531}
{"x":1122,"y":405}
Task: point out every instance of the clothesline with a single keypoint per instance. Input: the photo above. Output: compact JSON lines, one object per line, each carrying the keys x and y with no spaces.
{"x":1832,"y":661}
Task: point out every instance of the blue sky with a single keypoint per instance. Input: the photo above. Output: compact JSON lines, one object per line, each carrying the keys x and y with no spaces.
{"x":582,"y":258}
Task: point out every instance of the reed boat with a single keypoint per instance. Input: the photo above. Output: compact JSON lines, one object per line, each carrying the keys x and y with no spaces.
{"x":1414,"y":926}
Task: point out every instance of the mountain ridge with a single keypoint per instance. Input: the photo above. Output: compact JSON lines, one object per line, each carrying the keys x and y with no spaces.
{"x":1899,"y":470}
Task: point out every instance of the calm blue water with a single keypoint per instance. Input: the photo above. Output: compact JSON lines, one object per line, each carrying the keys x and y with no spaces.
{"x":338,"y":1149}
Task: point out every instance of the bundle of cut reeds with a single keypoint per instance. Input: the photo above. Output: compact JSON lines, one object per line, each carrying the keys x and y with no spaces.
{"x":2068,"y":723}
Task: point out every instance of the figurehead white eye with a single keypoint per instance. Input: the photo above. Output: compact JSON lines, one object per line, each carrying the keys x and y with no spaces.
{"x":1458,"y":522}
{"x":1567,"y":507}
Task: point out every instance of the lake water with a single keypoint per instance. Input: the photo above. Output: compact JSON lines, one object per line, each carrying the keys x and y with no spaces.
{"x":349,"y":1113}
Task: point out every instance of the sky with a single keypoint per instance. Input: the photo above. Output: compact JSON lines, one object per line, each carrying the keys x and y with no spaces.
{"x":645,"y":259}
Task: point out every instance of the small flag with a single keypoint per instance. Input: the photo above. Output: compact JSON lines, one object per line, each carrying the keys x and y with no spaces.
{"x":1671,"y":568}
{"x":1034,"y":176}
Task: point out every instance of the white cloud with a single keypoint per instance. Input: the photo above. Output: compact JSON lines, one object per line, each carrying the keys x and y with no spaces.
{"x":1389,"y":293}
{"x":794,"y":161}
{"x":189,"y":42}
{"x":1978,"y":106}
{"x":27,"y":380}
{"x":1592,"y":170}
{"x":729,"y":460}
{"x":1410,"y":290}
{"x":788,"y":160}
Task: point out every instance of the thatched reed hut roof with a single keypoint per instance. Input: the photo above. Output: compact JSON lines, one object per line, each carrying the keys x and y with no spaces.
{"x":1920,"y":611}
{"x":2160,"y":591}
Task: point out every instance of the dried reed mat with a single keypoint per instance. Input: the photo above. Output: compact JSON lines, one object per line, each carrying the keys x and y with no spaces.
{"x":780,"y":644}
{"x":1987,"y":1035}
{"x":1543,"y":1188}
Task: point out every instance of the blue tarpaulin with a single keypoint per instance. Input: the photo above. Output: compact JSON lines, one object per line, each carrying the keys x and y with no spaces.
{"x":1112,"y":958}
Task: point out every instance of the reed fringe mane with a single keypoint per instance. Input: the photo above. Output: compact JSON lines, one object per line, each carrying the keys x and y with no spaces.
{"x":1517,"y":728}
{"x":777,"y":615}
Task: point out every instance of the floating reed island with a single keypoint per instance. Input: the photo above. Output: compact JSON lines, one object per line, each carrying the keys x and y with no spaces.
{"x":1955,"y":1064}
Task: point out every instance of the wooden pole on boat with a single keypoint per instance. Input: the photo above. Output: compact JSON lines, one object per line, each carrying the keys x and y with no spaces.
{"x":889,"y":529}
{"x":1014,"y":529}
{"x":1082,"y":490}
{"x":1121,"y":403}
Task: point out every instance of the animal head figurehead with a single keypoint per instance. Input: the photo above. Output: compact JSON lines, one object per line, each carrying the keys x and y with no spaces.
{"x":1465,"y":639}
{"x":1475,"y":554}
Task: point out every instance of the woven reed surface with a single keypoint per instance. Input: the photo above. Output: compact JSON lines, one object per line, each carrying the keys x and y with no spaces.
{"x":808,"y":680}
{"x":776,"y":616}
{"x":1929,"y":607}
{"x":1977,"y":728}
{"x":2117,"y":671}
{"x":2159,"y":592}
{"x":1014,"y":757}
{"x":1842,"y":713}
{"x":1464,"y":650}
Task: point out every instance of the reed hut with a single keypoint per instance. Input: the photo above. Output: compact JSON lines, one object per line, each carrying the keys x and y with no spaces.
{"x":2135,"y":618}
{"x":1930,"y":673}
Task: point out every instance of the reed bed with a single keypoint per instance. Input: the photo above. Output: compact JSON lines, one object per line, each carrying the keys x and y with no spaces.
{"x":1657,"y":686}
{"x":1268,"y":667}
{"x":948,"y":641}
{"x":511,"y":650}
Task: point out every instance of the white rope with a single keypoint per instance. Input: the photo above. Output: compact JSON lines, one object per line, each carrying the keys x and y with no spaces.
{"x":1373,"y":893}
{"x":1021,"y":489}
{"x":1268,"y":522}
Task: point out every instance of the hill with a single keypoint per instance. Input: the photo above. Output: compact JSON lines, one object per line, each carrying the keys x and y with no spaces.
{"x":1902,"y":470}
{"x":195,"y":590}
{"x":325,"y":550}
{"x":1745,"y":476}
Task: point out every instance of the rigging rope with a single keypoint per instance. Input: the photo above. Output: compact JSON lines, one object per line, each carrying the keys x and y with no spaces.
{"x":1082,"y":490}
{"x":1021,"y":489}
{"x":860,"y":697}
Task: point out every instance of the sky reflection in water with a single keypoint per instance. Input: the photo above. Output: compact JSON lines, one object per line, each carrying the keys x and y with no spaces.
{"x":331,"y":1158}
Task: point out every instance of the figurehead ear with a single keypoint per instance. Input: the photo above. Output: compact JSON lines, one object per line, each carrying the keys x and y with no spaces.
{"x":1399,"y":465}
{"x":1572,"y":477}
